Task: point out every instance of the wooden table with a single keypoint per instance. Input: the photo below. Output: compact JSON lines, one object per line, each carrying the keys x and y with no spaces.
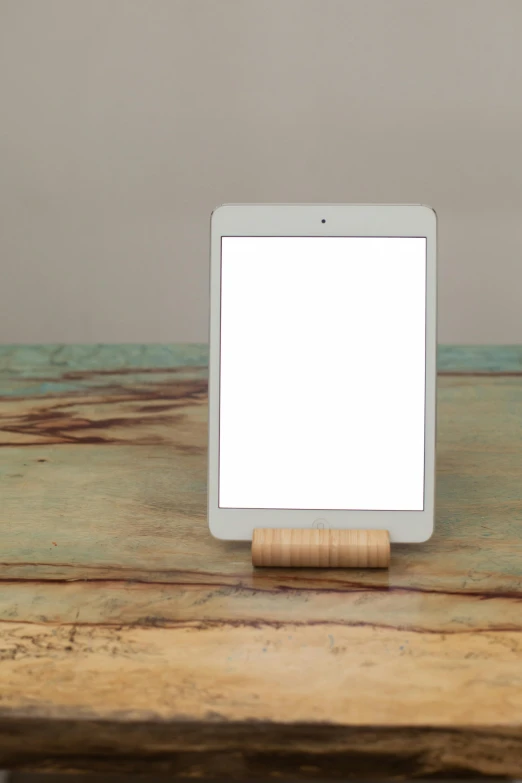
{"x":130,"y":639}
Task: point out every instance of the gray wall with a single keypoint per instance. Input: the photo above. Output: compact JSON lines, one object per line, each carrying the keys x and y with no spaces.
{"x":124,"y":122}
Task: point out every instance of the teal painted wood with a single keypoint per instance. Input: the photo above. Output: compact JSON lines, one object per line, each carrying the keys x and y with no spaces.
{"x":40,"y":370}
{"x":30,"y":360}
{"x":479,"y":358}
{"x":35,"y":370}
{"x":108,"y":571}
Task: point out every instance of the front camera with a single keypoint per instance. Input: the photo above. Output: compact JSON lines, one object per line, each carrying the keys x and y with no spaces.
{"x":323,"y":221}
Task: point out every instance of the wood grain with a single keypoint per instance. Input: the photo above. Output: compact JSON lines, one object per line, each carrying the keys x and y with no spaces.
{"x":314,"y":548}
{"x":130,"y":639}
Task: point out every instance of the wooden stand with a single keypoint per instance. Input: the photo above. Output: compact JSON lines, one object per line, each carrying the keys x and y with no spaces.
{"x":311,"y":548}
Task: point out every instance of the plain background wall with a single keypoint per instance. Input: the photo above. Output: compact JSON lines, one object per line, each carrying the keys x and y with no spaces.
{"x":124,"y":122}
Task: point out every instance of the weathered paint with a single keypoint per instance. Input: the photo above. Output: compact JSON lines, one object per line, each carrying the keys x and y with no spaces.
{"x":116,"y":605}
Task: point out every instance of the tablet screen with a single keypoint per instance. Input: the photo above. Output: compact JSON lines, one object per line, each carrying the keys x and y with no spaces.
{"x":322,"y":373}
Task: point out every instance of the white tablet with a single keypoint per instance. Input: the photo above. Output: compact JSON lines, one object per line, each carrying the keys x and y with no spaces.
{"x":322,"y":369}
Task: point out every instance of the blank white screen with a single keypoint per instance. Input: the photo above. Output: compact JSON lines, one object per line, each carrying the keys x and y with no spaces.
{"x":322,"y":378}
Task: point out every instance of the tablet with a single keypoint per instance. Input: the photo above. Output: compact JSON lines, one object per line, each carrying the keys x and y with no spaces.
{"x":322,"y":382}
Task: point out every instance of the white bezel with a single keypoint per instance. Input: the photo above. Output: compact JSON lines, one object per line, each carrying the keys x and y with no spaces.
{"x":305,"y":220}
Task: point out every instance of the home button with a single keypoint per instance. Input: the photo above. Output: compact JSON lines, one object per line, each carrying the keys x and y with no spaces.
{"x":321,"y":524}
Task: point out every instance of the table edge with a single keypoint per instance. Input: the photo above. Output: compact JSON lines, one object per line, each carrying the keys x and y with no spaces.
{"x":29,"y":358}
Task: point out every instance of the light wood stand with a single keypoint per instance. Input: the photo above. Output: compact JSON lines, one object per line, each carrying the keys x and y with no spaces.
{"x":324,"y":548}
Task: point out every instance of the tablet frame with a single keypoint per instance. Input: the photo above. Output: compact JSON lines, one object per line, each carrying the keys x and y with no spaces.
{"x":380,"y":220}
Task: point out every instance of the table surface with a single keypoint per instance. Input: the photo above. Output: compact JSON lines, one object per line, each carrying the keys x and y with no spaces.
{"x":130,"y":639}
